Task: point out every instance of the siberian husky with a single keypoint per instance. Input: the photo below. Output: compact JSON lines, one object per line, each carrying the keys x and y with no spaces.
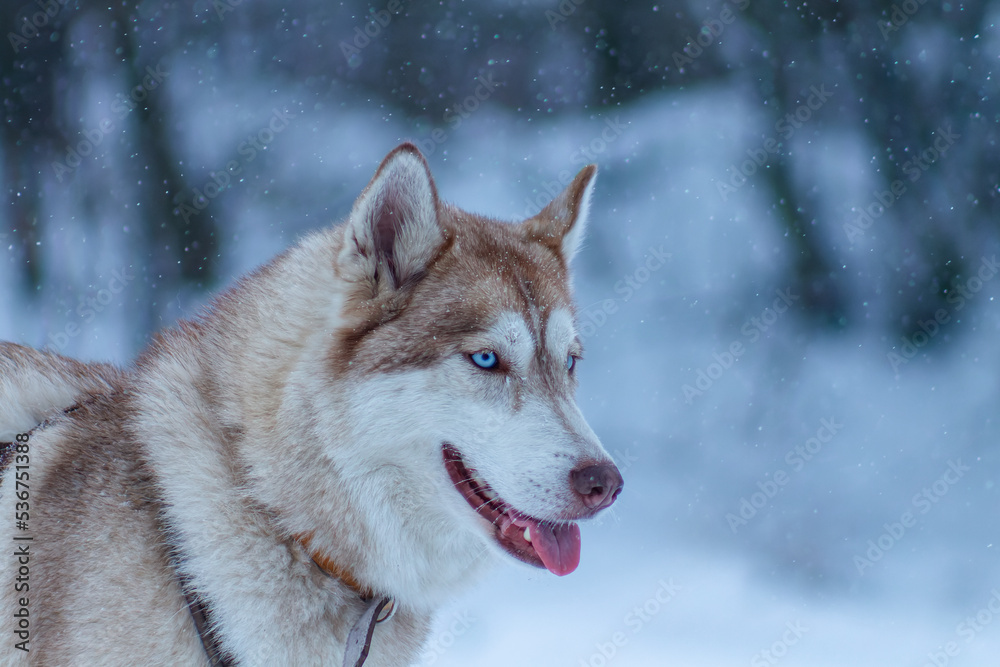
{"x":304,"y":472}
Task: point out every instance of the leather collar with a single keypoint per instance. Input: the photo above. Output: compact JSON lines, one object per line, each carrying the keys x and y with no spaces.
{"x":332,"y":568}
{"x":377,"y":610}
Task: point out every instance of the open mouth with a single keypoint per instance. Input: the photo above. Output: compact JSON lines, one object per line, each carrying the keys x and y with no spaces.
{"x":549,"y":544}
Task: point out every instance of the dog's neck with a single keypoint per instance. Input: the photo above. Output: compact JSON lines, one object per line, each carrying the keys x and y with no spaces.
{"x":329,"y":566}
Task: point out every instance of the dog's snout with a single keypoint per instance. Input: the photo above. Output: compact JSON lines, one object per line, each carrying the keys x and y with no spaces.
{"x":598,"y":485}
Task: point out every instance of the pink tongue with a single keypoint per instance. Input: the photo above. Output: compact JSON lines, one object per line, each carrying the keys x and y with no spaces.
{"x":557,"y":545}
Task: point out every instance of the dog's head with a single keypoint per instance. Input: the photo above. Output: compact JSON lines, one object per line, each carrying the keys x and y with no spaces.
{"x":452,"y":377}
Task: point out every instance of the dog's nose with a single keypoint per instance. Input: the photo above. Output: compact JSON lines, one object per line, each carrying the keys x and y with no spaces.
{"x":598,"y":485}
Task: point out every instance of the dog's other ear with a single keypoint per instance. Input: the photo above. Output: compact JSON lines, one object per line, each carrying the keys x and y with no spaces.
{"x":393,"y":232}
{"x":561,"y":225}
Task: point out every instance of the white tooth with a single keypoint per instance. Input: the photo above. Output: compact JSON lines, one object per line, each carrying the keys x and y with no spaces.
{"x":476,"y":479}
{"x":527,"y":534}
{"x":487,"y":493}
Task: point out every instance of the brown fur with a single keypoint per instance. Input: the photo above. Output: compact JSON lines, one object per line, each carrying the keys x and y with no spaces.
{"x":227,"y":439}
{"x":464,"y":282}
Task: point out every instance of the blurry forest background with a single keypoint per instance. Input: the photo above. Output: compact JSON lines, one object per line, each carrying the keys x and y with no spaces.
{"x":844,"y":154}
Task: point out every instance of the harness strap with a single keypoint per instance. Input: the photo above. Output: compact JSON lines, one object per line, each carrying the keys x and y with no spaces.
{"x":359,"y":639}
{"x":206,"y":633}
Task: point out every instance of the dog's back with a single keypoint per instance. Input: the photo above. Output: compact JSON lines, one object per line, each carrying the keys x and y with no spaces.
{"x":36,"y":385}
{"x":80,"y":513}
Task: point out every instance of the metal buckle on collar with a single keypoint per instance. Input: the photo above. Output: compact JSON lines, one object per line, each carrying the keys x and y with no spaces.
{"x":388,"y":611}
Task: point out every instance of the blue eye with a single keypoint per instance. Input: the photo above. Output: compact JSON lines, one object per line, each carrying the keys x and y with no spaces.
{"x":485,"y":359}
{"x":570,"y":362}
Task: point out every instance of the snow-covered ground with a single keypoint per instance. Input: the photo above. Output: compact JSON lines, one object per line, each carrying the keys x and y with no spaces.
{"x":803,"y":502}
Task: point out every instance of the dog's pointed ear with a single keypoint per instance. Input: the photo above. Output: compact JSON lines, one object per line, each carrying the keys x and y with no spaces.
{"x":562,"y":224}
{"x":393,"y":233}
